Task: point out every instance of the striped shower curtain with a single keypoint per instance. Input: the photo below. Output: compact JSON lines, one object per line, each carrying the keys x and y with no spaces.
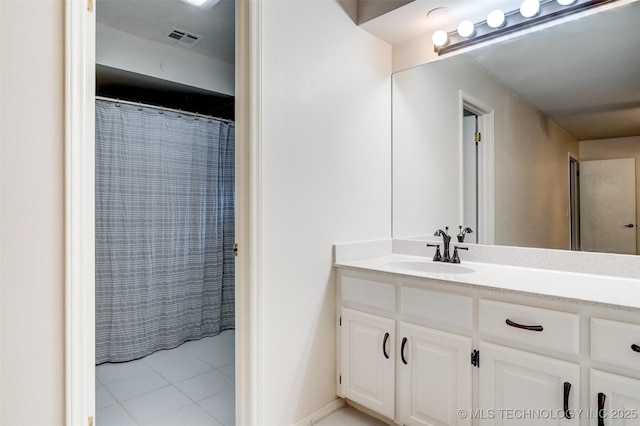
{"x":164,"y":229}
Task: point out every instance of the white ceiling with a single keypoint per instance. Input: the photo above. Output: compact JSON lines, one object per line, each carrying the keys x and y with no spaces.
{"x":151,"y":19}
{"x":585,"y":75}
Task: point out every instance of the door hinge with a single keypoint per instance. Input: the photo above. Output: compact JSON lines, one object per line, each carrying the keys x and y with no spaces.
{"x":90,"y":9}
{"x":235,"y":249}
{"x":91,"y":421}
{"x":478,"y":137}
{"x":475,"y":358}
{"x":340,"y":321}
{"x":340,"y":379}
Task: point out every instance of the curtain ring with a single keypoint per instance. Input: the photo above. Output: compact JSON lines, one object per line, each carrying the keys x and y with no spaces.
{"x":139,"y":106}
{"x":161,"y":109}
{"x":118,"y":102}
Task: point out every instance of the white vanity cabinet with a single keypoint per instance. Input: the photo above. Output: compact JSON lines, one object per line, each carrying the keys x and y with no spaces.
{"x":520,"y":387}
{"x":434,"y":376}
{"x":614,"y":399}
{"x":422,"y":351}
{"x":368,"y":360}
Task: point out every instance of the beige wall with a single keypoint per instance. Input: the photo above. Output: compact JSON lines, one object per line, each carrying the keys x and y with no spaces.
{"x":326,"y":179}
{"x":530,"y":157}
{"x":32,"y":212}
{"x":608,"y":149}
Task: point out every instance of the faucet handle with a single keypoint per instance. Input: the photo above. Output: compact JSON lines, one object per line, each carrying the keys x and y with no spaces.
{"x":456,"y":258}
{"x":436,"y":257}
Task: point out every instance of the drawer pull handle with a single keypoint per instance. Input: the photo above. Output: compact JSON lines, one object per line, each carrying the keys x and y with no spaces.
{"x":524,"y":327}
{"x":404,"y":342}
{"x":384,"y":345}
{"x":601,"y":398}
{"x":567,"y":389}
{"x":635,"y":348}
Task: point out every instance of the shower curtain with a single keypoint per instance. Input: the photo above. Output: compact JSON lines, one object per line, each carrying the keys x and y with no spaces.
{"x":164,"y":229}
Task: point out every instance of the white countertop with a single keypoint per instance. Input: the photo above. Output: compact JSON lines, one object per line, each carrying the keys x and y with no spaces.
{"x":599,"y":289}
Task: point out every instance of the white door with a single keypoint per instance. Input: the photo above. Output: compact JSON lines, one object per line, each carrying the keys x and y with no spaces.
{"x":608,"y":206}
{"x":616,"y":399}
{"x":470,"y":176}
{"x":368,"y":361}
{"x":434,"y":377}
{"x":520,"y":388}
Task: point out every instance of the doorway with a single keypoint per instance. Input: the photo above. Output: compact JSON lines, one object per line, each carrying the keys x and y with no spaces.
{"x":477,"y":172}
{"x":164,"y":312}
{"x":80,"y":229}
{"x":574,"y":202}
{"x":470,"y":148}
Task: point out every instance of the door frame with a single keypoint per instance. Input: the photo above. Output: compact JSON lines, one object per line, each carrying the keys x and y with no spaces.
{"x":486,"y":172}
{"x":80,"y":46}
{"x":574,"y":202}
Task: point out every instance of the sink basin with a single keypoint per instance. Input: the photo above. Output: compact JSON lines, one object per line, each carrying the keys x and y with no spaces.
{"x":433,"y":267}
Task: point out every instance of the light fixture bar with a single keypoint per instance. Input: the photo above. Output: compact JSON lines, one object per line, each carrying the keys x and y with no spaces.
{"x":549,"y":10}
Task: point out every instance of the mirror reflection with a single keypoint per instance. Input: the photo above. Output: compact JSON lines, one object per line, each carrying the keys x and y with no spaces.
{"x":533,"y":141}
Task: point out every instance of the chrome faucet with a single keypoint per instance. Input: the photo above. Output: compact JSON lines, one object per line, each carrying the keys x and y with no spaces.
{"x":446,"y":239}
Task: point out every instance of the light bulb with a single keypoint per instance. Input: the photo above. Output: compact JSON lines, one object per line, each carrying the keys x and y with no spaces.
{"x":495,"y":19}
{"x":440,"y":38}
{"x":466,"y":29}
{"x":566,"y":2}
{"x":530,"y":8}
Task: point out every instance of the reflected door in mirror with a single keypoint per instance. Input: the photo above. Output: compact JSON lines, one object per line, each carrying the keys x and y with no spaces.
{"x":608,"y":206}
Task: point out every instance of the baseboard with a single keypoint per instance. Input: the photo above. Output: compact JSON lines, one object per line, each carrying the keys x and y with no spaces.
{"x":316,"y":416}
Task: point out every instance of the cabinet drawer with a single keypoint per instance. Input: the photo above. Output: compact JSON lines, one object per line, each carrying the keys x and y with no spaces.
{"x":615,"y":342}
{"x":370,"y":293}
{"x":537,"y":327}
{"x":433,"y":306}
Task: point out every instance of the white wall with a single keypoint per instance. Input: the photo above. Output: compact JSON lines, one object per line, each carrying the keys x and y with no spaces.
{"x":326,"y":179}
{"x":608,"y":149}
{"x":121,"y":50}
{"x":32,"y":212}
{"x":530,"y":159}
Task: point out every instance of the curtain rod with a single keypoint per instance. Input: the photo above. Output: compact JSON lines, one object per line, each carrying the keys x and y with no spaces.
{"x":161,"y":108}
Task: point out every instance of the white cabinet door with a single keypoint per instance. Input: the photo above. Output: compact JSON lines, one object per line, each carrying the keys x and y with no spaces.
{"x":368,"y":360}
{"x":434,"y":377}
{"x":615,"y":399}
{"x":520,"y":388}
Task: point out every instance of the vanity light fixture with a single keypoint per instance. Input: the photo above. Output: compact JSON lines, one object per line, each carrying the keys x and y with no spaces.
{"x":499,"y":23}
{"x":530,"y":8}
{"x":496,"y":19}
{"x":466,"y":29}
{"x":440,"y":38}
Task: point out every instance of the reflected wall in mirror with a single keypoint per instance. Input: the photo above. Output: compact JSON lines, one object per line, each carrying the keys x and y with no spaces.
{"x":544,"y":99}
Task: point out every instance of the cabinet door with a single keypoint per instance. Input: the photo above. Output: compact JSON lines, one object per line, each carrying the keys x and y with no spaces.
{"x":368,"y":361}
{"x":434,"y":376}
{"x":520,"y":388}
{"x":614,"y":398}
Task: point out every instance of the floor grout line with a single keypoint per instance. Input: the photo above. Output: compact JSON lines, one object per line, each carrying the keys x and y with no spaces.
{"x":185,"y":357}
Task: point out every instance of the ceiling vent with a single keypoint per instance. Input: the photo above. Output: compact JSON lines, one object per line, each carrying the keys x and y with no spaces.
{"x":181,"y":38}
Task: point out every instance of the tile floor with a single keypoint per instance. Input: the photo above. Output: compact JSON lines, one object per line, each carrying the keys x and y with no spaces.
{"x":349,"y":417}
{"x":192,"y":384}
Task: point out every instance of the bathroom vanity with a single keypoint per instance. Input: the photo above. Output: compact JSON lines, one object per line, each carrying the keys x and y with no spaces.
{"x":426,"y":343}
